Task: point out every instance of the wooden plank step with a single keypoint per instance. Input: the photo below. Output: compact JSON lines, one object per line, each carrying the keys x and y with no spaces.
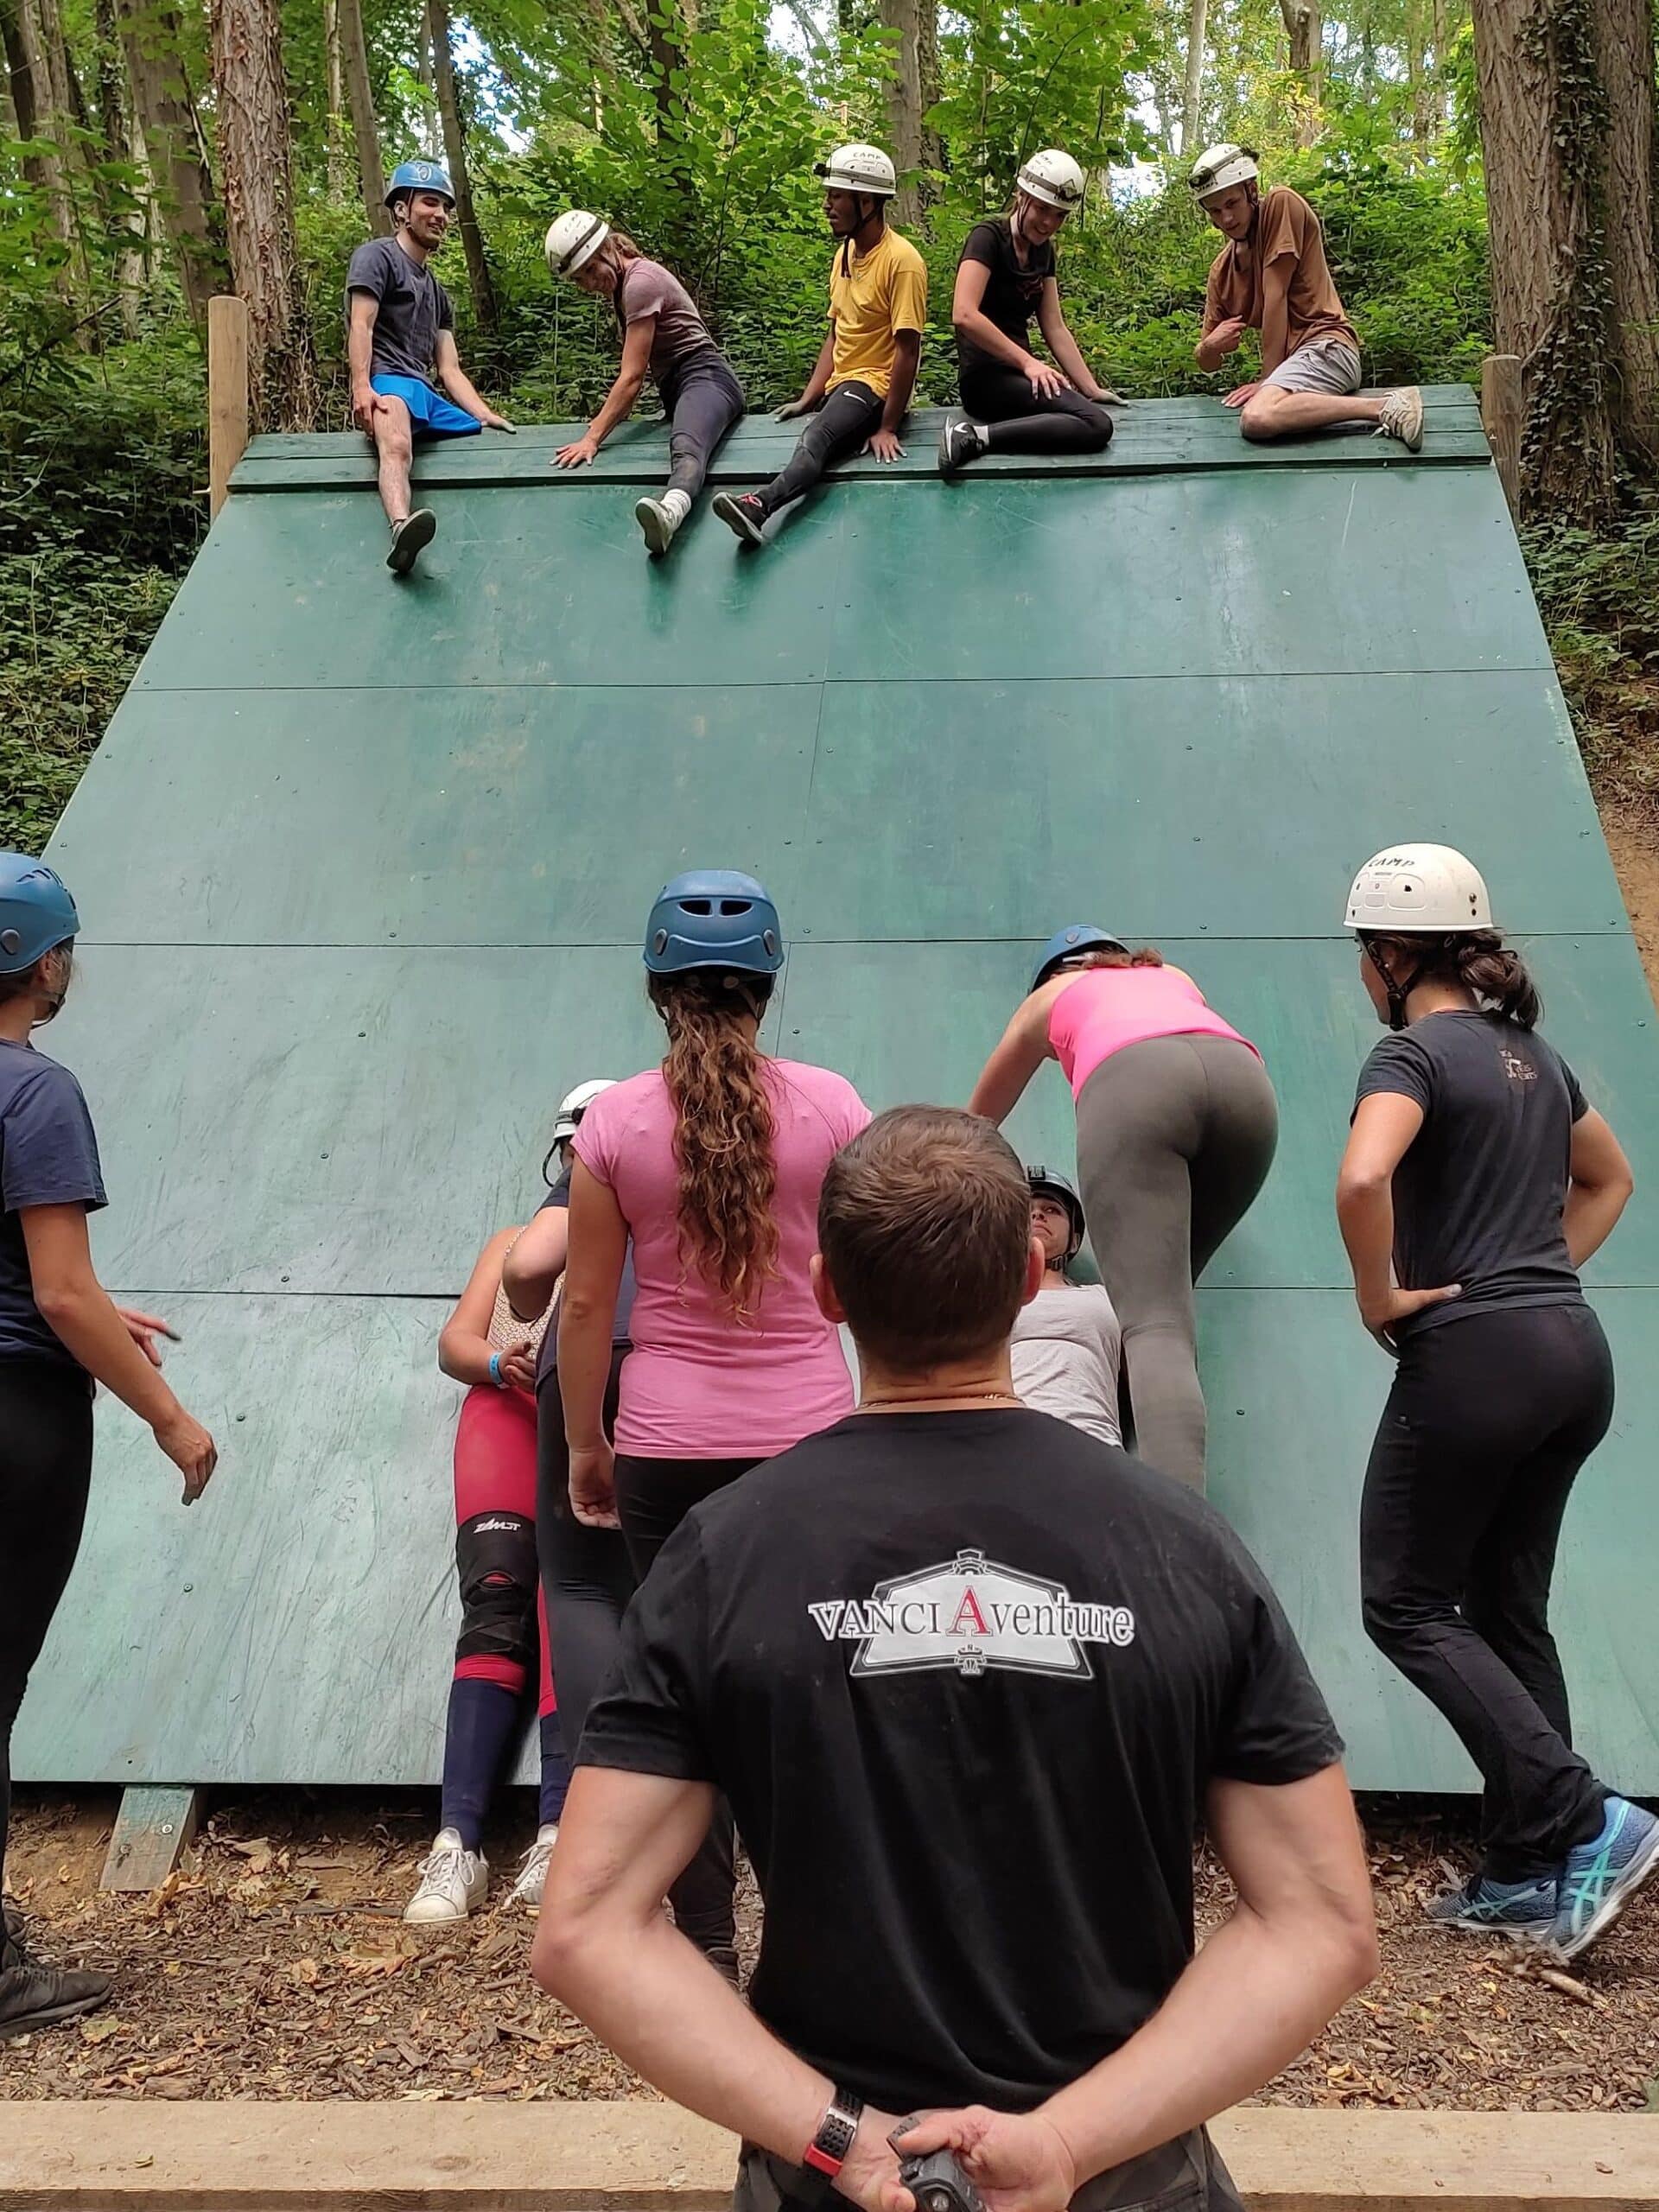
{"x":635,"y":2156}
{"x":153,"y":1830}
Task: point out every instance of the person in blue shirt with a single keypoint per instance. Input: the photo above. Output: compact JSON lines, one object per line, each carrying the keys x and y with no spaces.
{"x":407,"y":380}
{"x":58,"y":1333}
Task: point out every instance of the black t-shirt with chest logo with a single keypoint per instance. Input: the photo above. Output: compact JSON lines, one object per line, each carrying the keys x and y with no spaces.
{"x":1477,"y":1197}
{"x":964,"y":1678}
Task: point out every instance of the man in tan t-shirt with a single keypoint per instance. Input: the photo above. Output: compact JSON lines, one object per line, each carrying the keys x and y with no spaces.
{"x":1272,"y":277}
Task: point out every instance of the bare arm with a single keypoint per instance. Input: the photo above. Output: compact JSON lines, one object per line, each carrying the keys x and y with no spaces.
{"x":1024,"y":1048}
{"x":1276,"y":312}
{"x":1050,"y":321}
{"x":1599,"y":1190}
{"x":1385,"y":1126}
{"x":77,"y":1308}
{"x":619,"y":399}
{"x":464,"y":1348}
{"x":818,"y":383}
{"x":605,"y":1947}
{"x":454,"y":380}
{"x":1301,"y":1942}
{"x":906,"y":359}
{"x":592,"y":1276}
{"x":970,"y":322}
{"x":536,"y":1263}
{"x":359,"y":357}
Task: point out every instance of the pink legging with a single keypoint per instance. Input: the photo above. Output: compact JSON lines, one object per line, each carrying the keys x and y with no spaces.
{"x":495,"y":1472}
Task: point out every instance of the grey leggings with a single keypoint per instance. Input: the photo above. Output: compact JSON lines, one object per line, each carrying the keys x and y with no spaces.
{"x":1175,"y":1137}
{"x":705,"y":401}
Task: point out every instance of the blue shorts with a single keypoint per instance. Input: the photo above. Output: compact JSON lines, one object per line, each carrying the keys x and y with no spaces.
{"x":431,"y":413}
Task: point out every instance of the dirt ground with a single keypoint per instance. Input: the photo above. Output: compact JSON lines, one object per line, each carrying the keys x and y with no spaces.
{"x":274,"y":1965}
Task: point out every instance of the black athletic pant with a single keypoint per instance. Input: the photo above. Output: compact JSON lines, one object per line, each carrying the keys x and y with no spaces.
{"x":652,"y":1498}
{"x":1490,"y":1419}
{"x":46,"y":1472}
{"x":1018,"y":422}
{"x":586,"y":1578}
{"x":704,"y":401}
{"x":840,"y":427}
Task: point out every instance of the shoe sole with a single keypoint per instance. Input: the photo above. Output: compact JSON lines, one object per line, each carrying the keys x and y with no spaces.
{"x":51,"y":2016}
{"x":736,"y":521}
{"x":1625,"y":1886}
{"x":417,"y":533}
{"x":651,"y":519}
{"x":948,"y":464}
{"x":1527,"y":1930}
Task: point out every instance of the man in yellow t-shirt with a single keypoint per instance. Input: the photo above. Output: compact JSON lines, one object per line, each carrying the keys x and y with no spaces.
{"x":861,"y":383}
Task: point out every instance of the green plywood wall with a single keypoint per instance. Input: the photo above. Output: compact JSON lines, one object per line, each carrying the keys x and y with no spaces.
{"x":363,"y":867}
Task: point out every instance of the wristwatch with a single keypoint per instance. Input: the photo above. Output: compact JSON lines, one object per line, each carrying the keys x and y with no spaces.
{"x":827,"y":2152}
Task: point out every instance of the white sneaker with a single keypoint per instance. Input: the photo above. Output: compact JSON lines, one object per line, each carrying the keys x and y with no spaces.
{"x":532,"y":1869}
{"x":454,"y":1881}
{"x":1401,"y":418}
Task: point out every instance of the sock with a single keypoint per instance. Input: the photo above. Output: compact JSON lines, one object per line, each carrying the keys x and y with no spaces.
{"x":677,"y":503}
{"x":982,"y":435}
{"x":483,"y":1717}
{"x":555,"y":1768}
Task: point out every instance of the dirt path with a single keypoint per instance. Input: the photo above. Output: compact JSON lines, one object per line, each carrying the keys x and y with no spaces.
{"x":276,"y":1966}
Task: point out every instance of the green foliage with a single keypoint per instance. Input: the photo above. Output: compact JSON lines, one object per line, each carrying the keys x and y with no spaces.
{"x":1599,"y":599}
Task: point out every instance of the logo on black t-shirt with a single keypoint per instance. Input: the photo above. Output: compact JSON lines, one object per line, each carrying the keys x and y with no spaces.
{"x":972,"y":1614}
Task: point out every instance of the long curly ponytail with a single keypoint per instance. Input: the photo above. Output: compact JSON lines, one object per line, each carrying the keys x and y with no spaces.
{"x":723,"y":1129}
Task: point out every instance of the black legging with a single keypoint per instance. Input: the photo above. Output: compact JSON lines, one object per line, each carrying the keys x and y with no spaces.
{"x":588,"y":1582}
{"x":1490,"y":1419}
{"x":654,"y":1496}
{"x":46,"y":1472}
{"x":1017,"y":422}
{"x":704,"y":403}
{"x":840,"y":427}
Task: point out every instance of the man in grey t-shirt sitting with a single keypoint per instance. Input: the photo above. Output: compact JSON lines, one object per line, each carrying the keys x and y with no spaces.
{"x":407,"y":380}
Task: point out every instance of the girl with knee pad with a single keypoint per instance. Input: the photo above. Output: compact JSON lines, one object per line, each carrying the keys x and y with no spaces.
{"x":1477,"y":1181}
{"x":1177,"y":1125}
{"x":504,"y":1630}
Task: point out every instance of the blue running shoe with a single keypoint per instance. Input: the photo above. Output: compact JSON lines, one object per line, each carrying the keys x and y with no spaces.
{"x":1488,"y":1908}
{"x":1600,"y":1879}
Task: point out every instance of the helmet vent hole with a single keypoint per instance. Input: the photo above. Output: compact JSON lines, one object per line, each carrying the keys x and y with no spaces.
{"x":733,"y":907}
{"x":698,"y":906}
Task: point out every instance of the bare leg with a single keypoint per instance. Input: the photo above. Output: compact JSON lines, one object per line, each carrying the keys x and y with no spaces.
{"x":1271,"y":413}
{"x":394,"y":447}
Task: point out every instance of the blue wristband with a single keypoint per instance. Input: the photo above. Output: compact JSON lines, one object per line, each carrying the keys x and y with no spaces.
{"x":495,"y":1371}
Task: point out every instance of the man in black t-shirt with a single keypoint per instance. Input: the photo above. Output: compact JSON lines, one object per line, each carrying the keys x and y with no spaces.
{"x":972,"y":1680}
{"x":407,"y":380}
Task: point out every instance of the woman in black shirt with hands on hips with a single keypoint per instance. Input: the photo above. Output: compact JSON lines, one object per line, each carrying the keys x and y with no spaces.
{"x":1476,"y":1183}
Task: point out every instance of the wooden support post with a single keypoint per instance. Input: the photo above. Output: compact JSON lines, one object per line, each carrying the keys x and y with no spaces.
{"x":1503,"y":411}
{"x":227,"y":393}
{"x":153,"y":1830}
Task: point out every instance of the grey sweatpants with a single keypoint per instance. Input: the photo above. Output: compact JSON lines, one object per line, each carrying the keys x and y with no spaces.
{"x":1175,"y":1137}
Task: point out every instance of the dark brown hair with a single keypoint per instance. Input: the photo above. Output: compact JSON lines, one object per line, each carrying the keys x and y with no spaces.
{"x":1478,"y":960}
{"x":723,"y":1129}
{"x":1147,"y":956}
{"x":623,"y":249}
{"x":925,"y":1226}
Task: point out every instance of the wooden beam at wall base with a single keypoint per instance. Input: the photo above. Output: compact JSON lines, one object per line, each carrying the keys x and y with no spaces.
{"x":636,"y":2156}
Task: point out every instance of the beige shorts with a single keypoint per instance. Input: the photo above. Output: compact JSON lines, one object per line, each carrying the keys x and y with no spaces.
{"x":1323,"y":365}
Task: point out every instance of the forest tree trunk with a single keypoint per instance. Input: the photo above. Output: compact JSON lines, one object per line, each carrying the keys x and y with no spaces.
{"x":912,"y":91}
{"x":365,"y":130}
{"x":1301,"y":20}
{"x":1197,"y":24}
{"x":256,"y":148}
{"x":153,"y":38}
{"x":479,"y":280}
{"x":1624,"y":40}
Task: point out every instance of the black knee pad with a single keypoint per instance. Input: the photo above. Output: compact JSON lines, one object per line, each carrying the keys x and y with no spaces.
{"x":495,"y":1560}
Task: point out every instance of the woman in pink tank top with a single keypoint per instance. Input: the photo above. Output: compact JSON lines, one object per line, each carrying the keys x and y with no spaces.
{"x":1177,"y":1124}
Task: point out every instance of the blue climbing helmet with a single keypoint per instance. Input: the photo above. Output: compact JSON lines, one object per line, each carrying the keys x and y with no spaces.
{"x":36,"y":912}
{"x":420,"y":176}
{"x":714,"y":917}
{"x":1066,"y":943}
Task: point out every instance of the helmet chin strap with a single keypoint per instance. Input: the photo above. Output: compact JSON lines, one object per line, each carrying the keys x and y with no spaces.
{"x":1398,"y":992}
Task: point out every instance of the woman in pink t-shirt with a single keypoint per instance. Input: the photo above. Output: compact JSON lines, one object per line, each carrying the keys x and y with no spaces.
{"x":1177,"y":1124}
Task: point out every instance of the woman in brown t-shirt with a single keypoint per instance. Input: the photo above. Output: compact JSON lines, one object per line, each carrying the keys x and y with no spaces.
{"x":665,"y":337}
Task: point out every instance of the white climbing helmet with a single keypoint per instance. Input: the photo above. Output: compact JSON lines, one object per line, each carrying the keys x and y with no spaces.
{"x":573,"y":239}
{"x":1409,"y":890}
{"x":1052,"y":177}
{"x":1219,"y":168}
{"x":575,"y":1103}
{"x":859,"y":169}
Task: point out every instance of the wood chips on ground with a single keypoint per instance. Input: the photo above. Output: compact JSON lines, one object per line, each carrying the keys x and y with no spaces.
{"x":275,"y":1964}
